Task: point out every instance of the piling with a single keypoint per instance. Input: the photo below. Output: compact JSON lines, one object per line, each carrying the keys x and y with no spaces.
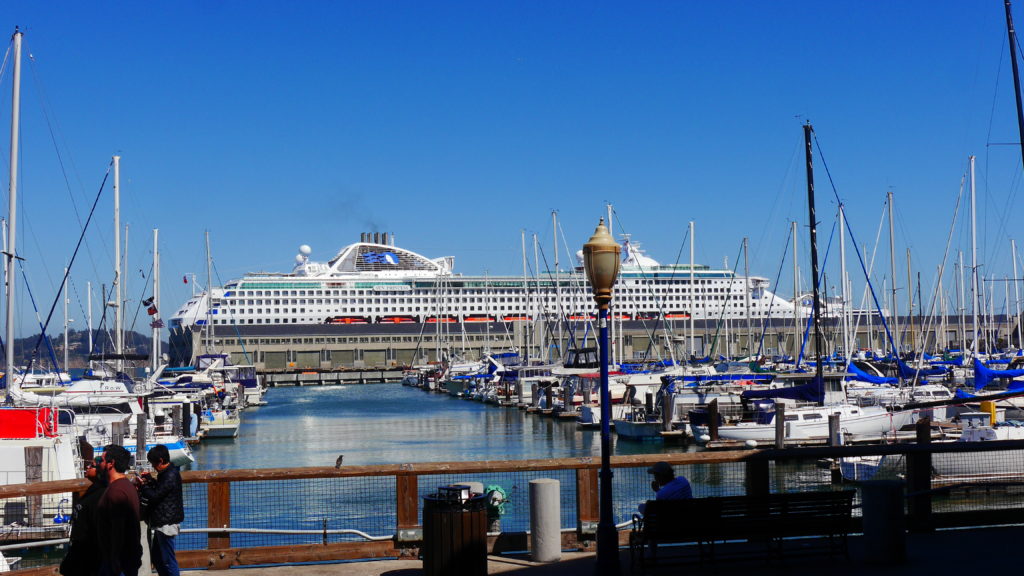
{"x":176,"y":428}
{"x":835,"y":434}
{"x":668,"y":403}
{"x":780,"y":426}
{"x":140,"y":440}
{"x":713,"y":419}
{"x":545,"y":520}
{"x":34,"y":473}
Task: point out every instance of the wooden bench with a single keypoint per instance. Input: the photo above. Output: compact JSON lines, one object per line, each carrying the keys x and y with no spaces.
{"x":770,"y":518}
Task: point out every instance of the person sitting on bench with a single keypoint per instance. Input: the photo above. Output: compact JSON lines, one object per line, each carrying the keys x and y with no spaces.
{"x":666,"y":485}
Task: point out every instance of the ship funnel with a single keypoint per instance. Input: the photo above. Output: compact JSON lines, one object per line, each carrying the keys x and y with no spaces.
{"x":384,"y":238}
{"x":376,"y":237}
{"x":362,"y":236}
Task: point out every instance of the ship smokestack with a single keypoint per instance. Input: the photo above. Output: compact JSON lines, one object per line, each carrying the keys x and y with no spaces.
{"x":376,"y":237}
{"x":362,"y":236}
{"x":384,"y":238}
{"x":392,"y":238}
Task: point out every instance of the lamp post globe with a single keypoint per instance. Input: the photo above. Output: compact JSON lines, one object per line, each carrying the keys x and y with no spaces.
{"x":601,"y":259}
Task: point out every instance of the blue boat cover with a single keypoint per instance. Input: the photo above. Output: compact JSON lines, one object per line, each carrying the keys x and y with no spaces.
{"x":858,"y":374}
{"x":983,"y":375}
{"x":908,"y":372}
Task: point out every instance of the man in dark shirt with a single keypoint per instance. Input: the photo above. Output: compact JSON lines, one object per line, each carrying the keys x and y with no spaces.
{"x":120,"y":537}
{"x":83,"y":557}
{"x":166,"y":510}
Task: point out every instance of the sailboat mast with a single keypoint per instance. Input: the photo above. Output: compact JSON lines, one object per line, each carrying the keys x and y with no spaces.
{"x":1012,"y":37}
{"x":118,"y":334}
{"x":961,"y":289}
{"x":88,"y":306}
{"x":209,"y":296}
{"x":747,"y":287}
{"x":974,"y":266}
{"x":847,"y":346}
{"x":1016,"y":293}
{"x":796,"y":297}
{"x":910,"y":306}
{"x":693,"y":296}
{"x":558,"y":286}
{"x":892,"y":271}
{"x":64,"y":291}
{"x":156,"y":352}
{"x":818,"y":345}
{"x":942,"y":314}
{"x":12,"y":210}
{"x":524,"y":326}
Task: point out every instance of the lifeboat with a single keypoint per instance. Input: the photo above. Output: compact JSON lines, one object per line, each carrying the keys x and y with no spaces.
{"x":347,"y":320}
{"x":512,"y":318}
{"x":440,"y":319}
{"x":396,"y":320}
{"x":478,"y":318}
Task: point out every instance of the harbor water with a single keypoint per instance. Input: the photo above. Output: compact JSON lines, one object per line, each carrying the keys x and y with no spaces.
{"x":394,"y":424}
{"x":391,"y":424}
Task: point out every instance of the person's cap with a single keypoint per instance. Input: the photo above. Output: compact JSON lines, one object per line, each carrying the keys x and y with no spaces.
{"x":660,"y":468}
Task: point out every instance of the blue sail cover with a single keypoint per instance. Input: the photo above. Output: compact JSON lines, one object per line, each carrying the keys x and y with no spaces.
{"x":858,"y":374}
{"x":908,"y":372}
{"x":811,"y":392}
{"x":983,"y":375}
{"x":961,"y":395}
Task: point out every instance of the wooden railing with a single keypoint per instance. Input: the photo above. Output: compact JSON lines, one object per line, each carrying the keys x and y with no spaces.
{"x":220,"y":553}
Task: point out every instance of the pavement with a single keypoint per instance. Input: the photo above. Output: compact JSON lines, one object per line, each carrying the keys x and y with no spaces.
{"x":952,"y":552}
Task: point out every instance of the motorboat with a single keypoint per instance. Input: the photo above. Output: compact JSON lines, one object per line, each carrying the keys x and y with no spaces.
{"x":809,"y":422}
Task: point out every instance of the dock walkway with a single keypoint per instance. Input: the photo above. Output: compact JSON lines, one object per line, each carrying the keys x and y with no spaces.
{"x":987,"y":550}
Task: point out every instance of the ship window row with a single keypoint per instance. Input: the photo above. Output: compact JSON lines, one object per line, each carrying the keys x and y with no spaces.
{"x":494,"y":305}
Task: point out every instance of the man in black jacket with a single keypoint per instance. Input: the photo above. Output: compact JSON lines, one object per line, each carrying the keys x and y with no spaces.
{"x":164,"y":509}
{"x":83,"y":557}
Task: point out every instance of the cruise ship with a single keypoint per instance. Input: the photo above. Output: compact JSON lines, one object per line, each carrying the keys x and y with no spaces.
{"x":374,"y":286}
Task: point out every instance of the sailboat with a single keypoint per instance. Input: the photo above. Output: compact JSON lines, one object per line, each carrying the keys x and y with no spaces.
{"x":809,"y":421}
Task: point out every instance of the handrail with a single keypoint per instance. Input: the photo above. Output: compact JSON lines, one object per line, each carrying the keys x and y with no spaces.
{"x":427,"y":468}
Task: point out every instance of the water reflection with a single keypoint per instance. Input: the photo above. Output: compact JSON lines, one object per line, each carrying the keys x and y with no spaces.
{"x":393,"y":424}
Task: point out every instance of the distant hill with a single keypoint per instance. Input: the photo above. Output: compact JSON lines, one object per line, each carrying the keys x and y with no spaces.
{"x":78,"y":344}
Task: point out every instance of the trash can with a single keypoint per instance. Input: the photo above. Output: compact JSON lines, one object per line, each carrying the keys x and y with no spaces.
{"x":454,"y":532}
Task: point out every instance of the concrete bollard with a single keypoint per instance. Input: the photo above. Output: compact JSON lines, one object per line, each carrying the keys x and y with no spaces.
{"x":885,"y":535}
{"x":545,"y":520}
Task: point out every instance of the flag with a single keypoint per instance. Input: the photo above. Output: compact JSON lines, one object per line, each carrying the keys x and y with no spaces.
{"x":156,"y":323}
{"x":148,"y":301}
{"x":184,"y":279}
{"x":151,"y":310}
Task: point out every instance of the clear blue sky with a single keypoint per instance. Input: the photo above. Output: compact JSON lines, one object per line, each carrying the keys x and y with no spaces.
{"x":456,"y":125}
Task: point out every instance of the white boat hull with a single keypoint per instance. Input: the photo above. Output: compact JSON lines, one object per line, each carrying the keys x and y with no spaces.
{"x":870,"y":421}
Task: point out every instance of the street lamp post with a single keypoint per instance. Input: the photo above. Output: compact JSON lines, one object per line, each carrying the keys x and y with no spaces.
{"x":601,"y":258}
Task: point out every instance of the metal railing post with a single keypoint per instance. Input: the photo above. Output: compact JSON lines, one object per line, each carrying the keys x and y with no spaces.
{"x":919,"y":481}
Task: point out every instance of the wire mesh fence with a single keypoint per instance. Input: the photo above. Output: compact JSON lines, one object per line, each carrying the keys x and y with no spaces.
{"x":327,"y":506}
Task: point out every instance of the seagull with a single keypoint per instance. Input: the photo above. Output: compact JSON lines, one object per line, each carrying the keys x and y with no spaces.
{"x":337,"y":463}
